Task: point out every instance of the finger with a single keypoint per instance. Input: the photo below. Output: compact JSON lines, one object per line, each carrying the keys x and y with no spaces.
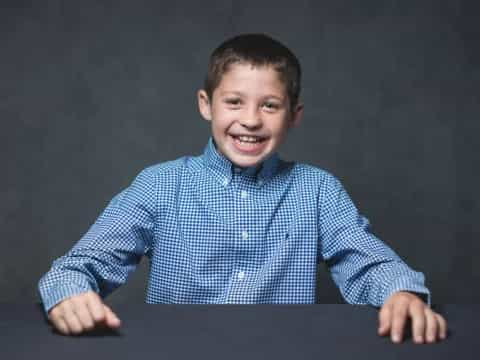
{"x":442,"y":324}
{"x":54,"y":313}
{"x":82,"y":312}
{"x":417,"y":313}
{"x":398,"y":322}
{"x":385,"y":320}
{"x":95,"y":307}
{"x":432,"y":326}
{"x":74,"y":325}
{"x":56,"y":319}
{"x":111,"y":318}
{"x":61,"y":326}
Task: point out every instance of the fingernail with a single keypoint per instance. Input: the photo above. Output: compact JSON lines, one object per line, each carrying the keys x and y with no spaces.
{"x":396,"y":338}
{"x":419,"y":338}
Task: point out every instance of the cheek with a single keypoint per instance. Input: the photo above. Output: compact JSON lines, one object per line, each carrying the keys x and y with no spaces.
{"x":279,"y":126}
{"x":223,"y":118}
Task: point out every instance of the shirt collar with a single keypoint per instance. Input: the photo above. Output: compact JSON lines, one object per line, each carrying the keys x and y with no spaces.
{"x":223,"y":169}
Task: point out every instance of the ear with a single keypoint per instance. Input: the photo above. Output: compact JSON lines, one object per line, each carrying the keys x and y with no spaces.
{"x":296,"y":116}
{"x":204,"y":105}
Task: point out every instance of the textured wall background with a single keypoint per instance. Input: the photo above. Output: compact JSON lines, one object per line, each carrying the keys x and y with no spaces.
{"x":92,"y":92}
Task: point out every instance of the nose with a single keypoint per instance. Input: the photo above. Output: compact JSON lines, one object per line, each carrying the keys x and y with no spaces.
{"x":251,"y":119}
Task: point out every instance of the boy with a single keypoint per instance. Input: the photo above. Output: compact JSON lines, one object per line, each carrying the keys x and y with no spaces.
{"x":238,"y":224}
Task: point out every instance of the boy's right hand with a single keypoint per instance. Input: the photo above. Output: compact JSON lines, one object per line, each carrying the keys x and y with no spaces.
{"x":82,"y":313}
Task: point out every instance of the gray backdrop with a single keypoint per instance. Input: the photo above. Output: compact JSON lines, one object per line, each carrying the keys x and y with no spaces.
{"x":94,"y":91}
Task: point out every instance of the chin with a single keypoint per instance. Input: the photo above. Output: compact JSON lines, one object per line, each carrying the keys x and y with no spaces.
{"x":247,"y":162}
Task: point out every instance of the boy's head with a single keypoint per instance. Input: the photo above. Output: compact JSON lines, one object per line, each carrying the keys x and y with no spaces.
{"x":251,"y":89}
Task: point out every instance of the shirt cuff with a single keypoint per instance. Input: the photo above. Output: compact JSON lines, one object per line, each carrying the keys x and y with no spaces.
{"x":60,"y":292}
{"x":406,"y":284}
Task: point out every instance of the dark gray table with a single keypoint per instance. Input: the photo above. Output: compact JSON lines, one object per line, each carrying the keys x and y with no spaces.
{"x":247,"y":332}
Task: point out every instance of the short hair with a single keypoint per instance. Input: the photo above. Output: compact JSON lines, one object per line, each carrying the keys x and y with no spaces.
{"x":257,"y":50}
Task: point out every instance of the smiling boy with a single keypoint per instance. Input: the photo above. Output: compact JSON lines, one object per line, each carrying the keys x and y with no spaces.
{"x":237,"y":224}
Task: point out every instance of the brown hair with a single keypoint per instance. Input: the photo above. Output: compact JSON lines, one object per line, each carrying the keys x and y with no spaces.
{"x":257,"y":50}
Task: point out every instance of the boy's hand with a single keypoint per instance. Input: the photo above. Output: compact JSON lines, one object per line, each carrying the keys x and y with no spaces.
{"x":427,"y":325}
{"x":81,"y":313}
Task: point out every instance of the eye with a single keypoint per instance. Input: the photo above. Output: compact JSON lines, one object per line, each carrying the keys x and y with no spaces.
{"x":271,"y":105}
{"x":233,"y":101}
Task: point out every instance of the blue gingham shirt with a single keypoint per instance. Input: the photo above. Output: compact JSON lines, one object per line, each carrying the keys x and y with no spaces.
{"x":216,"y":233}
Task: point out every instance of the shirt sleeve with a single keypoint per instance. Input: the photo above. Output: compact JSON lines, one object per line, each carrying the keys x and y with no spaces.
{"x":110,"y":250}
{"x":365,"y":269}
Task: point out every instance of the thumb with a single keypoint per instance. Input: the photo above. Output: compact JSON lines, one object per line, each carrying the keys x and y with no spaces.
{"x":111,"y":319}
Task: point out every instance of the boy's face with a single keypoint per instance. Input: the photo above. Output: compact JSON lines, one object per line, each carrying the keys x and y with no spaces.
{"x":249,"y":101}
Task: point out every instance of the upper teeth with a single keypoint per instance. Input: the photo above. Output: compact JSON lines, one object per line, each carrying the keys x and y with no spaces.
{"x":249,"y":138}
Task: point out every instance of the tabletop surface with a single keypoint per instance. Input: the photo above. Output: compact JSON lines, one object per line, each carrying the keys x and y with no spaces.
{"x":334,"y":331}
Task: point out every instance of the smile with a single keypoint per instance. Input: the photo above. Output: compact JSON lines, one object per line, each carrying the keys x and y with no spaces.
{"x":249,"y":145}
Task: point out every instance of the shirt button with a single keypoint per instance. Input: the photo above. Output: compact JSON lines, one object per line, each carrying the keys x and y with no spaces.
{"x":241,"y":275}
{"x":260,"y":182}
{"x":245,"y":235}
{"x":244,"y":194}
{"x":225,"y":182}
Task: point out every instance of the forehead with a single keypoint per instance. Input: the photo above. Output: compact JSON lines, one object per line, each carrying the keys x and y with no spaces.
{"x":244,"y":77}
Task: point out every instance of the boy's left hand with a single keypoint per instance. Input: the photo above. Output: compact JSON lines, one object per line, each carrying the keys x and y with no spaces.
{"x":427,"y":325}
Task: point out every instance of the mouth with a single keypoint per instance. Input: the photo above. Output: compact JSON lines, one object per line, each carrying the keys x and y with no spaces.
{"x":249,"y":145}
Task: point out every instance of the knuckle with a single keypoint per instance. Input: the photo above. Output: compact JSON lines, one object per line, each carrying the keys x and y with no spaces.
{"x":107,"y":310}
{"x":99,"y":316}
{"x":65,"y":306}
{"x":53,"y":318}
{"x":87,"y":322}
{"x":401,"y":301}
{"x":399,"y":313}
{"x":54,"y":312}
{"x":419,"y":304}
{"x":98,"y":312}
{"x":92,"y":295}
{"x":85,"y":318}
{"x":88,"y":295}
{"x":383,"y":311}
{"x":404,"y":297}
{"x":77,"y":300}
